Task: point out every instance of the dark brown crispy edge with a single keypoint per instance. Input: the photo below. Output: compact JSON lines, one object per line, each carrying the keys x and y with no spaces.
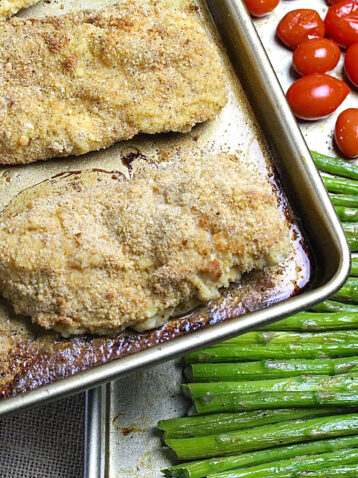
{"x":48,"y":361}
{"x":38,"y":358}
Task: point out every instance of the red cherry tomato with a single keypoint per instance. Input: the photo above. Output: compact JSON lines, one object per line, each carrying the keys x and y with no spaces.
{"x":300,"y":25}
{"x":260,"y":8}
{"x":342,"y":23}
{"x":332,"y":2}
{"x":351,"y":63}
{"x":346,"y":132}
{"x":316,"y":96}
{"x":318,"y":55}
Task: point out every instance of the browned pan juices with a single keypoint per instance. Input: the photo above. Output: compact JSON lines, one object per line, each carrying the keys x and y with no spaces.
{"x":30,"y":356}
{"x":36,"y":357}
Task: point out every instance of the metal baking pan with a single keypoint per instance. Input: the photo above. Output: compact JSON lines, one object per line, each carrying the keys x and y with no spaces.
{"x":122,"y":416}
{"x":257,"y":116}
{"x":121,"y":439}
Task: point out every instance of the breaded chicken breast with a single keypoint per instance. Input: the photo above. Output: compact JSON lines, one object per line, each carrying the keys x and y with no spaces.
{"x":81,"y":81}
{"x":97,"y":252}
{"x":10,"y":7}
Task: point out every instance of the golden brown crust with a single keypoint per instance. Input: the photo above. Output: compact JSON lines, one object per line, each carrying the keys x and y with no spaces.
{"x":10,"y":7}
{"x":81,"y":81}
{"x":94,"y":252}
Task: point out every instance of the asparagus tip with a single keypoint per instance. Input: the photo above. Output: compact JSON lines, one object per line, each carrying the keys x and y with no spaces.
{"x":186,"y":390}
{"x":161,"y":425}
{"x":173,"y":473}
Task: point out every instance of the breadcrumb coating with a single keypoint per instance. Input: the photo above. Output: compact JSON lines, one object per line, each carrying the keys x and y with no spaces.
{"x":97,"y":252}
{"x":82,"y":81}
{"x":10,"y":7}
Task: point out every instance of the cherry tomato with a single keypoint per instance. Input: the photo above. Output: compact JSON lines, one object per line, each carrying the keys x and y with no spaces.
{"x":316,"y":96}
{"x":346,"y":132}
{"x":351,"y":63}
{"x":332,"y":2}
{"x":318,"y":55}
{"x":342,"y":22}
{"x":300,"y":25}
{"x":260,"y":8}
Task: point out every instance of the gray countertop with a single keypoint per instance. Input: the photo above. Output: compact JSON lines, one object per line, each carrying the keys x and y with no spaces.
{"x":45,"y":442}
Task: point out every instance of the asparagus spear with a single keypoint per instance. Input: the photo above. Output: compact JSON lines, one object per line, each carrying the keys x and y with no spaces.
{"x":282,"y":337}
{"x":351,"y":232}
{"x":322,"y":383}
{"x":349,"y":292}
{"x":335,"y":165}
{"x":346,"y":213}
{"x":202,"y":425}
{"x":354,"y":266}
{"x":268,"y":369}
{"x":293,"y":467}
{"x":240,"y":402}
{"x":200,"y":469}
{"x":265,"y":436}
{"x":352,"y":240}
{"x":347,"y":200}
{"x":332,"y":306}
{"x":340,"y":185}
{"x":350,"y":227}
{"x":239,"y":353}
{"x":350,"y":471}
{"x":311,"y":321}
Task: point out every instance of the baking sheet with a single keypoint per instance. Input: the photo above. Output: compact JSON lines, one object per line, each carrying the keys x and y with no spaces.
{"x":137,"y":403}
{"x":234,"y":130}
{"x":38,"y":358}
{"x":134,"y":447}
